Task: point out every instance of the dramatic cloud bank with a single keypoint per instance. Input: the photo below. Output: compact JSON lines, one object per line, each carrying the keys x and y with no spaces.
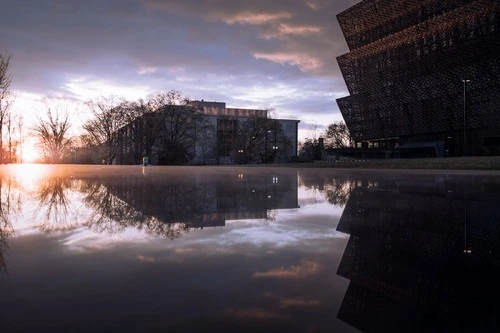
{"x":278,"y":54}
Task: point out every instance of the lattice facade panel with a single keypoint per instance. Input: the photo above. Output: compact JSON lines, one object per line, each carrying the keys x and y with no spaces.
{"x":410,"y":81}
{"x":369,"y":21}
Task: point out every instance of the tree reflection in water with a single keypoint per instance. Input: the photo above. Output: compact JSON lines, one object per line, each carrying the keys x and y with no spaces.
{"x":165,"y":206}
{"x":337,"y":192}
{"x":171,"y":205}
{"x":335,"y":188}
{"x":111,"y":214}
{"x":5,"y":233}
{"x":53,"y":203}
{"x":107,"y":213}
{"x":6,"y":229}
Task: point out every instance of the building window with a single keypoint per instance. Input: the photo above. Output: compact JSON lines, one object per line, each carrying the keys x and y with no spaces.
{"x":225,"y":136}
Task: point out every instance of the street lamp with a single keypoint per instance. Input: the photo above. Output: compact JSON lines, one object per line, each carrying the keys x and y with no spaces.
{"x":465,"y":81}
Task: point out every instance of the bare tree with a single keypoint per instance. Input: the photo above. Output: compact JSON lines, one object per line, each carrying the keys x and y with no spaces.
{"x":6,"y":97}
{"x":10,"y":129}
{"x":313,"y":132}
{"x":259,"y":139}
{"x":309,"y":150}
{"x":20,"y":133}
{"x":166,"y":126}
{"x":108,"y":116}
{"x":338,"y":136}
{"x":250,"y":139}
{"x":181,"y":121}
{"x":15,"y":126}
{"x":52,"y":132}
{"x":134,"y":134}
{"x":144,"y":123}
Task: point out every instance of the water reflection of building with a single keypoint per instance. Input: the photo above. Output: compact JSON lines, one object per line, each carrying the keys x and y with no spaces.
{"x":204,"y":199}
{"x":422,"y":256}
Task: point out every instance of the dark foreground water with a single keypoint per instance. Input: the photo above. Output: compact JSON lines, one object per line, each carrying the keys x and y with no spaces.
{"x":158,"y":249}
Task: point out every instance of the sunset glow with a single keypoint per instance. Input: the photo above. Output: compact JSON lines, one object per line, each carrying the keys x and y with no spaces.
{"x":29,"y":174}
{"x":30,"y":153}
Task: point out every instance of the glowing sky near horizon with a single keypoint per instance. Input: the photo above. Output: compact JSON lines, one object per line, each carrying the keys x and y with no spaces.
{"x":258,"y":54}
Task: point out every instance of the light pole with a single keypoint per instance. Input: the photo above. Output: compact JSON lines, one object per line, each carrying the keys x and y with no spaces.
{"x":267,"y":157}
{"x":240,"y":157}
{"x":465,"y":81}
{"x":275,"y":147}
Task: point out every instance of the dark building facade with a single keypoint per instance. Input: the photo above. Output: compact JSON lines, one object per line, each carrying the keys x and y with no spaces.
{"x":423,"y":75}
{"x":207,"y":133}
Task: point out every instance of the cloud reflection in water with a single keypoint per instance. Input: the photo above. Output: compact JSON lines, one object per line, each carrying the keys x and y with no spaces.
{"x":99,"y":209}
{"x":173,"y":235}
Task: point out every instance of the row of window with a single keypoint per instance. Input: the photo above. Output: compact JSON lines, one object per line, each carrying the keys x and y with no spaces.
{"x":443,"y":39}
{"x":393,"y":21}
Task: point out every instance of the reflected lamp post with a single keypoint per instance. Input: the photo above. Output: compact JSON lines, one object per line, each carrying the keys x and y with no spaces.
{"x":467,"y":247}
{"x":465,"y":81}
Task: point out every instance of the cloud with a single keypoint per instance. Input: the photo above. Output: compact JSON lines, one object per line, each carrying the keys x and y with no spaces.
{"x":145,"y":259}
{"x":313,"y":5}
{"x":298,"y":30}
{"x":147,"y":70}
{"x":184,"y":250}
{"x":255,"y":18}
{"x":304,"y":269}
{"x":297,"y":302}
{"x":255,"y":313}
{"x":292,"y":302}
{"x":88,"y":88}
{"x":302,"y":28}
{"x":212,"y":50}
{"x":303,"y":61}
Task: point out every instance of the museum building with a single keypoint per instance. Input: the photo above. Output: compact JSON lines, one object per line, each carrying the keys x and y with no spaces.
{"x":423,"y":76}
{"x":213,"y":134}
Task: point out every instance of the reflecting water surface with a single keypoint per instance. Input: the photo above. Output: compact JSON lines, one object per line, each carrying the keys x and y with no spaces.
{"x":165,"y":249}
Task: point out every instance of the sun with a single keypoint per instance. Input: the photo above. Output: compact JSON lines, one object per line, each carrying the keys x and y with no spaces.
{"x":29,"y":153}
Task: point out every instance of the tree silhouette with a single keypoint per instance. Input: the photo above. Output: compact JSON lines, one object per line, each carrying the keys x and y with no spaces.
{"x":6,"y":229}
{"x":54,"y":203}
{"x":108,"y":116}
{"x":338,"y":136}
{"x":52,"y":132}
{"x":6,"y":97}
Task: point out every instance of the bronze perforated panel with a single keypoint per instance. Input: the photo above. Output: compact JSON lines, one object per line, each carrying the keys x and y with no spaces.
{"x":407,"y":61}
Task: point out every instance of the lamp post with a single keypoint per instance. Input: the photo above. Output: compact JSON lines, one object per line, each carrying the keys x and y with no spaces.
{"x":267,"y":157}
{"x":465,"y":81}
{"x":240,"y":155}
{"x":275,"y":146}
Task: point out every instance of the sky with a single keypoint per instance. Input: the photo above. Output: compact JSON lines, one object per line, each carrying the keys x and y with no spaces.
{"x":278,"y":54}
